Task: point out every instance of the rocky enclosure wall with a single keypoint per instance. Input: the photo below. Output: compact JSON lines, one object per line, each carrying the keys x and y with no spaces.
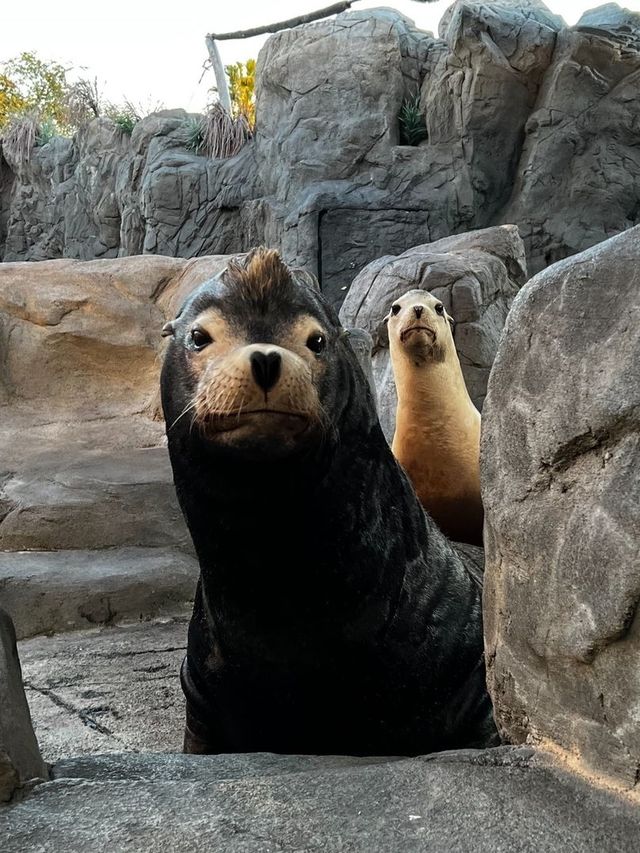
{"x":529,"y":122}
{"x":561,"y":490}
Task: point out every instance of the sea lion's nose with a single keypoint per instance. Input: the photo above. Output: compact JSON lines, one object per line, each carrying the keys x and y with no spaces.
{"x":418,"y":309}
{"x":266,"y":367}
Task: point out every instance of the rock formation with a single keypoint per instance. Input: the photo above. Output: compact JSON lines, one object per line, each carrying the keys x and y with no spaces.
{"x":90,"y":535}
{"x":20,"y":759}
{"x":476,"y":276}
{"x":466,"y":801}
{"x":561,"y":489}
{"x":528,"y":122}
{"x":84,"y":465}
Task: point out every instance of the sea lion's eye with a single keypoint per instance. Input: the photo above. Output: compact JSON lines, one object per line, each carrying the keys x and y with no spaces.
{"x":395,"y":309}
{"x":440,"y":309}
{"x":316,"y":343}
{"x":200,"y":338}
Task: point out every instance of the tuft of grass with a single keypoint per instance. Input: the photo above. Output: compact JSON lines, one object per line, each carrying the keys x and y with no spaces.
{"x":19,"y":137}
{"x":83,"y":102}
{"x":216,"y":134}
{"x":413,"y":128}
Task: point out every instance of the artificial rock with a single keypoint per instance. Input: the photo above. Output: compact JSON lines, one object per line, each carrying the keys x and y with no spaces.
{"x":561,"y":490}
{"x":20,"y":759}
{"x":528,"y":121}
{"x":84,"y":467}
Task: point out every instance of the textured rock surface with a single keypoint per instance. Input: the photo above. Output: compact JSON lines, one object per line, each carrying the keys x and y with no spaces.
{"x":529,"y":122}
{"x":561,"y":490}
{"x":499,"y":800}
{"x":476,"y":275}
{"x":52,"y":591}
{"x":107,"y":689}
{"x":20,"y":759}
{"x":482,"y":89}
{"x":579,"y":175}
{"x":83,"y":464}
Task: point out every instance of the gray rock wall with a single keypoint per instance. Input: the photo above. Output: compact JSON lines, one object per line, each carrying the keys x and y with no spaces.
{"x":561,"y":491}
{"x":529,"y":122}
{"x":90,"y":529}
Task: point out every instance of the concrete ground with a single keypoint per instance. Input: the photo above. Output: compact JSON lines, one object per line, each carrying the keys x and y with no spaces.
{"x":109,"y":689}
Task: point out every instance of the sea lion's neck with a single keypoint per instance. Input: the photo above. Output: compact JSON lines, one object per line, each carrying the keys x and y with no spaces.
{"x":426,"y":384}
{"x":308,"y":539}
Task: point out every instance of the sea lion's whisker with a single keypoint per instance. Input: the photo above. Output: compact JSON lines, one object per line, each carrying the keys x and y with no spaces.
{"x":183,"y":413}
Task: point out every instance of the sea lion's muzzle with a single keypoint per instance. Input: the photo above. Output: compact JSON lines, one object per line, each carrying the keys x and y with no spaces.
{"x":416,"y":328}
{"x":258,"y":392}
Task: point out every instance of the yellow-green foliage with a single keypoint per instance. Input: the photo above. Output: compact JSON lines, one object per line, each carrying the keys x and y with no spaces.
{"x":30,"y":84}
{"x":11,"y":101}
{"x":242,"y":76}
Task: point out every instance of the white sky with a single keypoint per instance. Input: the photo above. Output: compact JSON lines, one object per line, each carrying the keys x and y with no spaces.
{"x":153,"y":52}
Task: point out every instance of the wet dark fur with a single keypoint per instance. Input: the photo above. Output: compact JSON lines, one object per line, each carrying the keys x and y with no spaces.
{"x":331,"y":615}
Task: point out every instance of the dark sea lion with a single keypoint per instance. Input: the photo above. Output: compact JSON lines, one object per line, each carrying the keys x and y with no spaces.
{"x":437,"y":436}
{"x":331,"y":615}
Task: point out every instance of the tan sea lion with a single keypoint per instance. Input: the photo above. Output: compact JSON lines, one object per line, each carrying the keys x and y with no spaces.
{"x":437,"y":437}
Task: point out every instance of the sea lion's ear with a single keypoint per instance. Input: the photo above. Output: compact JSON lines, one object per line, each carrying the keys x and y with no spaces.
{"x":169,"y":329}
{"x":452,"y":322}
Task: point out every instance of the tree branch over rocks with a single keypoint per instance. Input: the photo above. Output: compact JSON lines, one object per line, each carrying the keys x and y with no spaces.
{"x":212,"y":38}
{"x":335,"y":9}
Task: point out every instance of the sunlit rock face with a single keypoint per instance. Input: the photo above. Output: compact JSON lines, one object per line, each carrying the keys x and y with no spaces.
{"x":90,"y":529}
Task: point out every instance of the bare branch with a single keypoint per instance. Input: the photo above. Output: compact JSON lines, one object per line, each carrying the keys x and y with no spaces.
{"x":285,"y":25}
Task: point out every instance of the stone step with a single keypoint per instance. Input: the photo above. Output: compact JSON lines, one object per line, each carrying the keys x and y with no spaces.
{"x":495,"y":800}
{"x":70,"y":498}
{"x":53,"y":591}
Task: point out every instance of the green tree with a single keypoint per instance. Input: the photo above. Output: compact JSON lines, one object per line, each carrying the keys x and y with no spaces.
{"x":242,"y":78}
{"x":37,"y":85}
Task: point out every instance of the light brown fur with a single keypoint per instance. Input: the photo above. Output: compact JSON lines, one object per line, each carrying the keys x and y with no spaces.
{"x":228,"y":401}
{"x":437,"y":437}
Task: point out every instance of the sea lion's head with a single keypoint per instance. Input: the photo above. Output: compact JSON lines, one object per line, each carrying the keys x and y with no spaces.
{"x":419,"y":324}
{"x":257,"y":360}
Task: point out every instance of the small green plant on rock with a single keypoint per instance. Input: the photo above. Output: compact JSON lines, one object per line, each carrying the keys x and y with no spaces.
{"x":45,"y":132}
{"x":413,"y":128}
{"x":193,"y":135}
{"x":125,"y":116}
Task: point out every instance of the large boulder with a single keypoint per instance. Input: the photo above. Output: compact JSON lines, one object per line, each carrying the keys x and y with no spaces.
{"x":482,"y":89}
{"x":578,"y":181}
{"x":84,"y":465}
{"x":476,"y":275}
{"x":20,"y":759}
{"x":561,"y":491}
